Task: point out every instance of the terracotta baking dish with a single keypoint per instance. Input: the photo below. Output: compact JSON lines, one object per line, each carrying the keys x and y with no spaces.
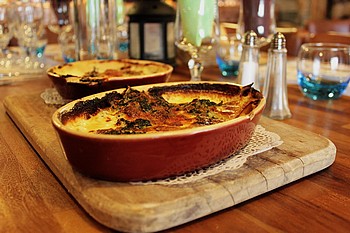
{"x":82,"y":78}
{"x":157,"y":155}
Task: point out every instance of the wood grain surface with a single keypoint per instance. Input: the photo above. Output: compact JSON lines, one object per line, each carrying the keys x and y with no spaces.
{"x":148,"y":208}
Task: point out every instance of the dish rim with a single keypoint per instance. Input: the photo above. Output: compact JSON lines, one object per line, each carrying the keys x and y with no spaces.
{"x":161,"y":134}
{"x":169,"y":70}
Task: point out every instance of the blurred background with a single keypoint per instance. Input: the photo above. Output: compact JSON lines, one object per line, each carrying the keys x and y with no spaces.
{"x":296,"y":13}
{"x":289,"y":13}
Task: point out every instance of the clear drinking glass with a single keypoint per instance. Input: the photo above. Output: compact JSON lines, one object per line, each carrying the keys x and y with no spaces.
{"x":60,"y":20}
{"x":67,"y":40}
{"x":228,"y":54}
{"x":323,"y":70}
{"x":95,"y":29}
{"x":196,"y":31}
{"x":30,"y":33}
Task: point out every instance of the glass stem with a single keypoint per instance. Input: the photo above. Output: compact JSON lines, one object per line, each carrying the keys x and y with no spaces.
{"x":196,"y":67}
{"x":3,"y":53}
{"x":30,"y":52}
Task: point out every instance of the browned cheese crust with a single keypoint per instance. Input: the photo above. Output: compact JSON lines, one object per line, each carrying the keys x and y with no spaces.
{"x":163,"y":108}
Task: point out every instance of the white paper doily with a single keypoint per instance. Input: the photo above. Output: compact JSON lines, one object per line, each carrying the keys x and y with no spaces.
{"x":262,"y":140}
{"x":52,"y":97}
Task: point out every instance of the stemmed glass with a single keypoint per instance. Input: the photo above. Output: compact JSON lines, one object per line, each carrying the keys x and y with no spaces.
{"x":30,"y":33}
{"x":60,"y":21}
{"x":196,"y":31}
{"x":6,"y":33}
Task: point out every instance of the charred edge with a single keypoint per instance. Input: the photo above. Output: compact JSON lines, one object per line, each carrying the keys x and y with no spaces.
{"x":90,"y":107}
{"x":224,"y":88}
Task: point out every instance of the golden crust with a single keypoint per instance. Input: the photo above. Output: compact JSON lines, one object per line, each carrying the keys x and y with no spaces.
{"x":163,"y":108}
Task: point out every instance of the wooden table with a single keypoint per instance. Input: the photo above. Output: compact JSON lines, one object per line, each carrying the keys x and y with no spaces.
{"x":33,"y":200}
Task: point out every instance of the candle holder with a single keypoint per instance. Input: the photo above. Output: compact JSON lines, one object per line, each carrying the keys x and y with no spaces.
{"x":151,"y":31}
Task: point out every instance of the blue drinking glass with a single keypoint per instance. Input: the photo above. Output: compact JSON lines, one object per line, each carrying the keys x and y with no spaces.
{"x":228,"y":55}
{"x":323,"y":70}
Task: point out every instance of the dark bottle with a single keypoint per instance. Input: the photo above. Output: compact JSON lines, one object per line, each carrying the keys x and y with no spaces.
{"x":259,"y":16}
{"x":151,"y":31}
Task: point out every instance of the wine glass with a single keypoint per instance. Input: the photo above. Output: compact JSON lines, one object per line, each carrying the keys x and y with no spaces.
{"x":30,"y":33}
{"x":6,"y":33}
{"x":196,"y":31}
{"x":259,"y":16}
{"x":60,"y":20}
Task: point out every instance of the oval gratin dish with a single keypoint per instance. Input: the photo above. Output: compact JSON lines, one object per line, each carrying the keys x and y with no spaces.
{"x":82,"y":78}
{"x":157,"y":131}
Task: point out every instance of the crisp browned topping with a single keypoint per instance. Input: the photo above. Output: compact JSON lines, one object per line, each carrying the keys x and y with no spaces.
{"x":163,"y":108}
{"x":106,"y":69}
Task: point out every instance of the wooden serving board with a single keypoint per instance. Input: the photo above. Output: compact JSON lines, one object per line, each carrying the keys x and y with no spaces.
{"x":147,"y":208}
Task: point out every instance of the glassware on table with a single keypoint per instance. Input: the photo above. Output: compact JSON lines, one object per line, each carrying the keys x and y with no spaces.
{"x":275,"y":84}
{"x":60,"y":20}
{"x":122,"y":46}
{"x":95,"y":29}
{"x":196,"y":31}
{"x":323,"y":70}
{"x":228,"y":55}
{"x":259,"y":16}
{"x":31,"y":34}
{"x":6,"y":34}
{"x":67,"y":40}
{"x":249,"y":63}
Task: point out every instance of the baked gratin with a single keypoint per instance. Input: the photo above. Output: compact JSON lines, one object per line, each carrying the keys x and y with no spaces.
{"x":82,"y":78}
{"x":161,"y":108}
{"x":96,"y":71}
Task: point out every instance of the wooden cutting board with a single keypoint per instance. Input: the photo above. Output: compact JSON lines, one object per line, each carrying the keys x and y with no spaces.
{"x":147,"y":208}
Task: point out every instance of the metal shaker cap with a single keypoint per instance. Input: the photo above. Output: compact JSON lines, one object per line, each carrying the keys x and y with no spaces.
{"x":250,"y":38}
{"x":278,"y":41}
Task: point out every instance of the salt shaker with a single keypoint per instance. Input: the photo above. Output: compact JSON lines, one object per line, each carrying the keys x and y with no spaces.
{"x":275,"y":84}
{"x":249,"y":63}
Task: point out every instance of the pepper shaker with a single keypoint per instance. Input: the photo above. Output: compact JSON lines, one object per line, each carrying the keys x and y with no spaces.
{"x":275,"y":84}
{"x":249,"y":63}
